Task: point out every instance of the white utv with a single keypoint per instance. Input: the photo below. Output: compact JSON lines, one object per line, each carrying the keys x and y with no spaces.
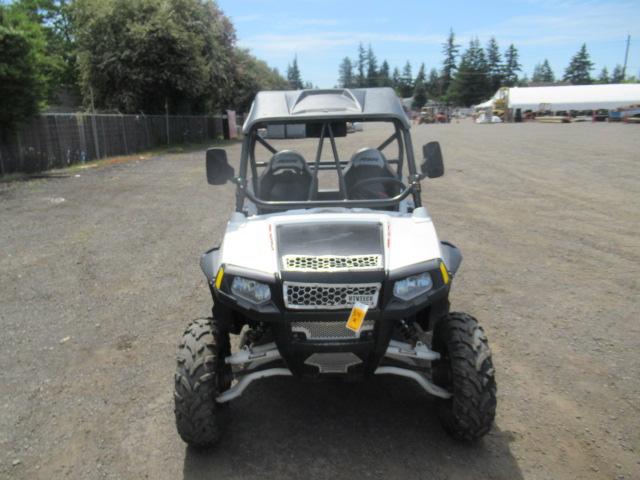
{"x":347,"y":282}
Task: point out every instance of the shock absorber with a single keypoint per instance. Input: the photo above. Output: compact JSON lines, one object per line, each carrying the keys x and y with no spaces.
{"x":408,"y":330}
{"x":253,"y":335}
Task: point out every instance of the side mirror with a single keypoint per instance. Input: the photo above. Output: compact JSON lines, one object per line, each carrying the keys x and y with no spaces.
{"x":433,"y":166}
{"x":218,"y":169}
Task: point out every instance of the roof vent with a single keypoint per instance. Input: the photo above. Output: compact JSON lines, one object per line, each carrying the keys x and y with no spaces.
{"x":310,"y":101}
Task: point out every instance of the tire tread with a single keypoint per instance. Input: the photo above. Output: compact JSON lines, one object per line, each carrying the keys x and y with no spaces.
{"x":470,"y":413}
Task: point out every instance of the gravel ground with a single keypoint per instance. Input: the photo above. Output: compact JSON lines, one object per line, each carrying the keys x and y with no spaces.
{"x":99,"y":276}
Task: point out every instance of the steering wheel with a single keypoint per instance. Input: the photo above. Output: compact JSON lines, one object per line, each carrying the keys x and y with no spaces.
{"x":362,"y":183}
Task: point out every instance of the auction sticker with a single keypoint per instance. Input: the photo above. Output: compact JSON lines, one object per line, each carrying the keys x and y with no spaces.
{"x":356,"y":317}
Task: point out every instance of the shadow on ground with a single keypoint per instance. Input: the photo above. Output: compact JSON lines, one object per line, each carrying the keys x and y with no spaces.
{"x":385,"y":428}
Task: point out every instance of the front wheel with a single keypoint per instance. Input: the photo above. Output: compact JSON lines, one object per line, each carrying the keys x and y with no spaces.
{"x":465,"y":369}
{"x":201,"y":375}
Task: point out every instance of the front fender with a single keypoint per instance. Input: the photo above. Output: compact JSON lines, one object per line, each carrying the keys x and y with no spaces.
{"x":209,"y":263}
{"x":451,"y":256}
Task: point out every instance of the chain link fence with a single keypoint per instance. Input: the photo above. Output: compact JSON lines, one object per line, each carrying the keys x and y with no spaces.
{"x":59,"y":140}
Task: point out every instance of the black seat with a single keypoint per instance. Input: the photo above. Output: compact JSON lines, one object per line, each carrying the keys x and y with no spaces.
{"x":369,"y":163}
{"x":286,"y":178}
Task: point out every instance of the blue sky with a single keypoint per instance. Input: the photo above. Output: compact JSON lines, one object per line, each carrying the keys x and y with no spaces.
{"x":321,"y":33}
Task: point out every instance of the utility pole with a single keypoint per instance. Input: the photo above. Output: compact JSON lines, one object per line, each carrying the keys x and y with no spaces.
{"x":626,"y":57}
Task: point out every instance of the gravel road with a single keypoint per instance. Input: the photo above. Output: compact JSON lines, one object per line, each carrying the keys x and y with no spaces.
{"x":99,"y":276}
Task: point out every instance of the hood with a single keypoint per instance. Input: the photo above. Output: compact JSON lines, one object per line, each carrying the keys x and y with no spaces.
{"x":384,"y":241}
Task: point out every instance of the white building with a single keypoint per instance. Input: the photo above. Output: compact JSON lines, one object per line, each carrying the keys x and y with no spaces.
{"x":565,"y":98}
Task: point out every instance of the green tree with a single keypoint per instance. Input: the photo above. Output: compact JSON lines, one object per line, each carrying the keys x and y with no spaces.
{"x":542,"y":73}
{"x":420,"y":90}
{"x":345,"y":76}
{"x":22,"y":87}
{"x":579,"y":70}
{"x":24,"y":67}
{"x":494,"y":64}
{"x":536,"y":77}
{"x":384,"y":79}
{"x":511,"y":66}
{"x":252,"y":76}
{"x":360,"y":66}
{"x":55,"y":17}
{"x":547,"y":73}
{"x":135,"y":55}
{"x":422,"y":74}
{"x":372,"y":68}
{"x":604,"y":76}
{"x":450,"y":51}
{"x":471,"y":83}
{"x":405,"y":86}
{"x":396,"y":80}
{"x":617,"y":76}
{"x":433,"y":84}
{"x":293,"y":75}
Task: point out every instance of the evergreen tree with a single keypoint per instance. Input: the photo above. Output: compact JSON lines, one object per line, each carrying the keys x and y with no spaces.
{"x":406,"y":73}
{"x":422,"y":74}
{"x":471,"y":83}
{"x":547,"y":75}
{"x":293,"y":75}
{"x":433,"y":84}
{"x":372,"y":68}
{"x":536,"y":77}
{"x":360,"y":65}
{"x":406,"y":81}
{"x":578,"y":71}
{"x":617,"y":75}
{"x":384,"y":79}
{"x":420,"y":89}
{"x":346,"y":79}
{"x":494,"y":64}
{"x":396,"y":80}
{"x":604,"y":76}
{"x":511,"y":66}
{"x":450,"y":50}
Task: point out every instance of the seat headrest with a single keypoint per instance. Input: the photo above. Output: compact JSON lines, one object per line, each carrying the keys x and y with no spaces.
{"x":287,"y":159}
{"x":368,"y":157}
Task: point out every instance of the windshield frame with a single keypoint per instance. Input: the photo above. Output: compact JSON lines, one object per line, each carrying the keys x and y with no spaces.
{"x":248,"y":163}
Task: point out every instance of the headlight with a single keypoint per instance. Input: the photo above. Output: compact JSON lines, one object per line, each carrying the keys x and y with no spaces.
{"x":413,"y":286}
{"x":250,"y":290}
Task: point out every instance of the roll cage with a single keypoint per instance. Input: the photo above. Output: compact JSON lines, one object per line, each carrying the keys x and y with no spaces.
{"x":249,"y":163}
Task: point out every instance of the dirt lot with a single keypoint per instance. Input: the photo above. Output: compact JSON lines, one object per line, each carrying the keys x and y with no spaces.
{"x":99,"y":275}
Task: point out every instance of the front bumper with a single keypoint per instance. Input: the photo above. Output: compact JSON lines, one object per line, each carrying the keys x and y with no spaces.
{"x":309,"y":357}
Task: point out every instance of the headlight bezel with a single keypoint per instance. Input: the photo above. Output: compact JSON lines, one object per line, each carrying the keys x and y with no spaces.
{"x":412,"y":286}
{"x":250,"y":290}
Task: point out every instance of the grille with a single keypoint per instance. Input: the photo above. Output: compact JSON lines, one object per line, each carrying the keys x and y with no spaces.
{"x":331,"y":263}
{"x":307,"y":296}
{"x":329,"y":330}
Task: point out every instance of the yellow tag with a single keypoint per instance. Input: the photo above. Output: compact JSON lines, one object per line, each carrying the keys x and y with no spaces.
{"x":356,"y":317}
